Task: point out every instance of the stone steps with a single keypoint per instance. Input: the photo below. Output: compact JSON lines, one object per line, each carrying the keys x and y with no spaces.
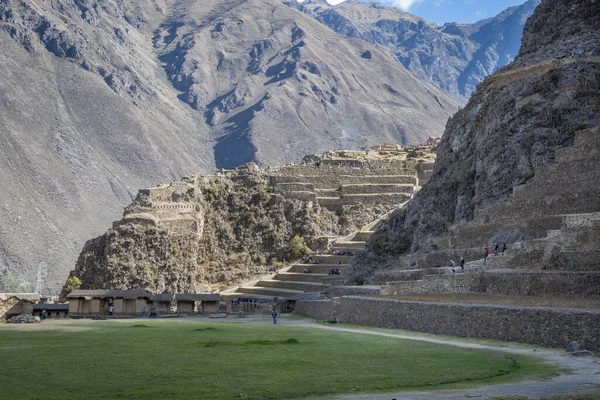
{"x":319,"y":268}
{"x":293,"y":285}
{"x":362,"y":235}
{"x":268,"y":291}
{"x":301,"y":277}
{"x":332,"y":259}
{"x":349,"y":244}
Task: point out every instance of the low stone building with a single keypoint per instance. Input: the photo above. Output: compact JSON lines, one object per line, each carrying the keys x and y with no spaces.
{"x":162,"y":303}
{"x":13,"y":306}
{"x":94,"y":302}
{"x":53,"y":310}
{"x":186,"y":303}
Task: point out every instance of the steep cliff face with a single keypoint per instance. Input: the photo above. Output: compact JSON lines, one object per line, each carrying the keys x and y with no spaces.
{"x":454,"y":57}
{"x":98,"y":98}
{"x":206,"y":232}
{"x":513,"y":124}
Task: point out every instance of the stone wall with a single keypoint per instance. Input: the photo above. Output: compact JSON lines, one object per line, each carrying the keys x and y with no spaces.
{"x":443,"y":283}
{"x":377,"y":188}
{"x":549,"y":327}
{"x":547,"y":283}
{"x":15,"y":306}
{"x":334,"y":181}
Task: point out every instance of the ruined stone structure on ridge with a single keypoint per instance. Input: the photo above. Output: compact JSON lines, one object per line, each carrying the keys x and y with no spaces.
{"x":382,"y":175}
{"x":386,"y":175}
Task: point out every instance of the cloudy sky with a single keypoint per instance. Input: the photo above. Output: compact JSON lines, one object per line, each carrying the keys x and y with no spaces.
{"x":441,"y":11}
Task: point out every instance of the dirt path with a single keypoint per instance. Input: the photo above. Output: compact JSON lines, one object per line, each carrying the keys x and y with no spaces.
{"x":584,"y":371}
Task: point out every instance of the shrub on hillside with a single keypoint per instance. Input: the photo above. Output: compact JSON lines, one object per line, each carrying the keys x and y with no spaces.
{"x":296,"y":248}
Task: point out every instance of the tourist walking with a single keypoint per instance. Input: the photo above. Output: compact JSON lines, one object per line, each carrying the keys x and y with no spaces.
{"x":495,"y":248}
{"x":144,"y":312}
{"x":110,"y":311}
{"x":274,"y":314}
{"x":153,"y":312}
{"x":485,"y":255}
{"x":452,"y":266}
{"x":462,"y":264}
{"x":504,"y":248}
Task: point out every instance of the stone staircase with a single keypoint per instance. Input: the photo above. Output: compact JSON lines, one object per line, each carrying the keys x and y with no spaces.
{"x":313,"y":275}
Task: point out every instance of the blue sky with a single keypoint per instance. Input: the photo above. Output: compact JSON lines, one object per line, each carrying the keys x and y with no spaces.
{"x":441,"y":11}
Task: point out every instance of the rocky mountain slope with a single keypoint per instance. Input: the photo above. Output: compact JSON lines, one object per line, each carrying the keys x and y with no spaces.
{"x":86,"y":117}
{"x":512,"y":126}
{"x":273,"y":83}
{"x":454,"y":57}
{"x":100,"y":98}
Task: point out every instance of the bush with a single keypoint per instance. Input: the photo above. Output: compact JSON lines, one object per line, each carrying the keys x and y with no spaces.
{"x":296,"y":248}
{"x":73,"y":283}
{"x":357,"y":280}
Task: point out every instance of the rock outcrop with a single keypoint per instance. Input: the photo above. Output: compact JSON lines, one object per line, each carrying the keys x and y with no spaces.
{"x":497,"y":174}
{"x":205,"y":232}
{"x":454,"y":57}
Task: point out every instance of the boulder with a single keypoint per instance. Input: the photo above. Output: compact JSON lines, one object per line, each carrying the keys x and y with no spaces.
{"x":573,"y":347}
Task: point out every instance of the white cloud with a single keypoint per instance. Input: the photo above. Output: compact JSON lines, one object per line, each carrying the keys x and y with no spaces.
{"x":402,"y":4}
{"x":481,"y":14}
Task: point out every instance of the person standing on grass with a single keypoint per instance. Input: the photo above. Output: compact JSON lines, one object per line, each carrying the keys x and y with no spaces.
{"x":504,"y":248}
{"x":485,"y":255}
{"x":274,"y":314}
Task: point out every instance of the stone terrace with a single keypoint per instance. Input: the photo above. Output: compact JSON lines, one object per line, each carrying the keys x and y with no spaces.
{"x":554,"y":271}
{"x":313,"y":274}
{"x":373,"y":177}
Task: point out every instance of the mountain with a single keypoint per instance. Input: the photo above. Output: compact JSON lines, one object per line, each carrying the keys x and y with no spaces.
{"x":273,"y":83}
{"x":99,"y":98}
{"x":454,"y":57}
{"x":522,"y":154}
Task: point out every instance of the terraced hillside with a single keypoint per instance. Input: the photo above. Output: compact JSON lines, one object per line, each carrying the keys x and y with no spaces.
{"x":205,"y":232}
{"x":518,"y":166}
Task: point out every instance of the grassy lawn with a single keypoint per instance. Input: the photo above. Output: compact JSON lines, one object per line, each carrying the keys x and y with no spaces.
{"x":179,"y":360}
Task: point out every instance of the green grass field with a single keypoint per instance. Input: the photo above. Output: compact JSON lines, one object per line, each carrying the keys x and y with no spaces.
{"x":189,"y":360}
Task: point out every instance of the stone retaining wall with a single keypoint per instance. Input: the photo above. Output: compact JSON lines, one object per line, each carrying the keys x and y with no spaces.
{"x":543,"y":283}
{"x":311,"y":171}
{"x":377,"y":188}
{"x":334,"y":181}
{"x":304,"y":196}
{"x":549,"y":327}
{"x":445,"y":283}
